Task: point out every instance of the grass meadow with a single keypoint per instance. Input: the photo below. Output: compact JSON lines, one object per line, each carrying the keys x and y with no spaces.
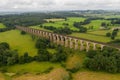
{"x":21,"y":43}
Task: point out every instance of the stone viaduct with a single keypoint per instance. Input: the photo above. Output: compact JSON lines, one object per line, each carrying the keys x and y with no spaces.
{"x":67,"y":41}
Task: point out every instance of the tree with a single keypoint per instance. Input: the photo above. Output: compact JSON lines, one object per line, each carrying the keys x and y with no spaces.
{"x":103,"y":24}
{"x":5,"y":45}
{"x":108,"y":34}
{"x":112,"y":37}
{"x":91,"y":53}
{"x":23,"y":32}
{"x":42,"y":55}
{"x":42,"y":43}
{"x":83,"y":30}
{"x":25,"y":58}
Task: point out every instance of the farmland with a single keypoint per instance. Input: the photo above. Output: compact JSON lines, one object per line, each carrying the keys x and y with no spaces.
{"x":95,"y":34}
{"x":61,"y":63}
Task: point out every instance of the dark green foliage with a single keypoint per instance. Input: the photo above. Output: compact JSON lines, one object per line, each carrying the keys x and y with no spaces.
{"x":91,"y":53}
{"x":105,"y":25}
{"x":60,"y":56}
{"x":50,"y":28}
{"x":25,"y":58}
{"x":83,"y":30}
{"x":23,"y":32}
{"x":4,"y":45}
{"x":42,"y":43}
{"x":106,"y":60}
{"x":26,"y":19}
{"x":64,"y":31}
{"x":108,"y":34}
{"x":115,"y":21}
{"x":80,"y":27}
{"x":114,"y":33}
{"x":8,"y":57}
{"x":112,"y":37}
{"x":65,"y":24}
{"x":43,"y":55}
{"x":5,"y":29}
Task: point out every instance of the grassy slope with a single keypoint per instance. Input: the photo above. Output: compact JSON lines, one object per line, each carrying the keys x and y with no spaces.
{"x":97,"y":35}
{"x":91,"y":75}
{"x":2,"y":26}
{"x":22,"y":43}
{"x":92,"y":37}
{"x":1,"y":76}
{"x":32,"y":67}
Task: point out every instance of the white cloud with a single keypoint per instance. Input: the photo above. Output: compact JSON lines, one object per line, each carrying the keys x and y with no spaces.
{"x":58,"y":4}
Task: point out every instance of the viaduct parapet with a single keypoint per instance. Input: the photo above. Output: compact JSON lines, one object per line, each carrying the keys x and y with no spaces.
{"x":67,"y":41}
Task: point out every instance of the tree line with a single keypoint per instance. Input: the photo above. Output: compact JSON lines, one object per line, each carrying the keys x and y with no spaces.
{"x":107,"y":60}
{"x":11,"y":57}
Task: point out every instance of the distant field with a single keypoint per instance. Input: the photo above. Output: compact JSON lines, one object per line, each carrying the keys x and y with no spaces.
{"x":99,"y":35}
{"x":54,"y":20}
{"x":92,"y":37}
{"x":22,"y":43}
{"x":95,"y":34}
{"x":96,"y":24}
{"x":2,"y":26}
{"x":69,"y":20}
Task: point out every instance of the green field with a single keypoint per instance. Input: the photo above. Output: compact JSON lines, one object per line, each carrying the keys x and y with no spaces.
{"x":2,"y":26}
{"x":97,"y":24}
{"x":95,"y":34}
{"x":22,"y":43}
{"x":70,"y":21}
{"x":33,"y":67}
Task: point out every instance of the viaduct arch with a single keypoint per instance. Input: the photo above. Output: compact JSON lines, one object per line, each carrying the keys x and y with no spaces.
{"x":67,"y":41}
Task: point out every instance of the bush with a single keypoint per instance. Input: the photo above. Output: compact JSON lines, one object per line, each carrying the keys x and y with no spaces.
{"x":23,"y":32}
{"x":108,"y":34}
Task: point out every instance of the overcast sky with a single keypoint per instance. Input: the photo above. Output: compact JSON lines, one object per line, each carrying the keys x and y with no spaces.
{"x":40,"y":5}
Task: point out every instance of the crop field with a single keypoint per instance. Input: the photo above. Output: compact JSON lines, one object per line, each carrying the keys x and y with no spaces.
{"x":2,"y":26}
